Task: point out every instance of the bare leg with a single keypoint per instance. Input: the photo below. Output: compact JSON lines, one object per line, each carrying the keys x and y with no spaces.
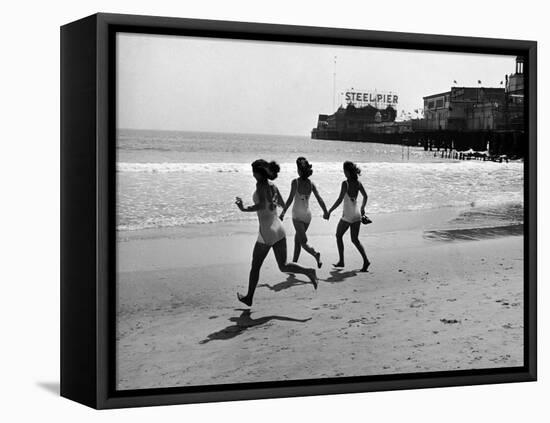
{"x":301,"y":239}
{"x":354,"y":232}
{"x":297,"y":246}
{"x":279,"y":249}
{"x":258,"y":256}
{"x":340,"y":231}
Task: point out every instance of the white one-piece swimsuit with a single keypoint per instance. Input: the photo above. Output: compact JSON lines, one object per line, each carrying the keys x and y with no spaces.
{"x":300,"y":208}
{"x":351,"y":213}
{"x":271,"y":228}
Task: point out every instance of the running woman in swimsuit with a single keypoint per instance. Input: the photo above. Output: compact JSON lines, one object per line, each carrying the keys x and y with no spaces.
{"x":271,"y":233}
{"x":300,"y":191}
{"x":351,"y":217}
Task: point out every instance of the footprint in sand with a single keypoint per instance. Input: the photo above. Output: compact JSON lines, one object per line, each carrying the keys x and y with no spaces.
{"x":417,"y":303}
{"x":509,"y":326}
{"x":331,"y":306}
{"x":500,"y":358}
{"x":449,"y":321}
{"x":361,"y":321}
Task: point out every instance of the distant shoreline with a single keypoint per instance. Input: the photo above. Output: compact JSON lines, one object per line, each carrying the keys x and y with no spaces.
{"x":420,"y":220}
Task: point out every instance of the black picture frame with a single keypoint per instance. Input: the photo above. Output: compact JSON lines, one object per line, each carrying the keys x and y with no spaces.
{"x":88,"y":199}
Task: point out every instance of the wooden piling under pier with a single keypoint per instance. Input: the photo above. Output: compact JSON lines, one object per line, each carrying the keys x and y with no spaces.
{"x":511,"y":143}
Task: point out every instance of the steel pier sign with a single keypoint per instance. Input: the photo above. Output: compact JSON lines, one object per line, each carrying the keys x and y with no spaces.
{"x":374,"y":98}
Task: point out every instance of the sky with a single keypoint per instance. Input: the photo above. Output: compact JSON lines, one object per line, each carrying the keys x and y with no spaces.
{"x":219,"y":85}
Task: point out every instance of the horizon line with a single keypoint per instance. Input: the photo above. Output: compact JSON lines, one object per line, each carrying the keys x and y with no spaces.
{"x":211,"y":132}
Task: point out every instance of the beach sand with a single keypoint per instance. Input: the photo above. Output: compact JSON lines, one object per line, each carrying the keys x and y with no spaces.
{"x":425,"y":305}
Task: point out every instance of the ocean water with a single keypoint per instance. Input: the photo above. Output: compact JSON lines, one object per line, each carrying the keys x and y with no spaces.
{"x":170,"y":179}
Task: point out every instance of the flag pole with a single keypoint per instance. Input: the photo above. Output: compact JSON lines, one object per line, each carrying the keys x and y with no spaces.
{"x":334,"y":86}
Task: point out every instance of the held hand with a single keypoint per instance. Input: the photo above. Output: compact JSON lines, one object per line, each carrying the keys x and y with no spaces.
{"x":239,"y":203}
{"x":282,"y":215}
{"x":326,"y":215}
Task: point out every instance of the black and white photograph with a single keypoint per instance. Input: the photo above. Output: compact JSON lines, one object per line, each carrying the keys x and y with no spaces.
{"x":290,"y":211}
{"x":296,"y":211}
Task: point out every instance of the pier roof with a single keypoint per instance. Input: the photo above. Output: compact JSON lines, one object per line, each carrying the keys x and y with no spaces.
{"x":436,"y":95}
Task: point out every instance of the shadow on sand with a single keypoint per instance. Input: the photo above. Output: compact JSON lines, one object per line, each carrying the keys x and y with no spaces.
{"x":339,"y":275}
{"x":244,"y":322}
{"x":291,"y":281}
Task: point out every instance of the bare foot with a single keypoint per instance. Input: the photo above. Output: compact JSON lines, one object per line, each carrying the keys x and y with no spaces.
{"x":244,"y":299}
{"x":365,"y":267}
{"x":318,"y":258}
{"x":313,"y":278}
{"x":339,"y":264}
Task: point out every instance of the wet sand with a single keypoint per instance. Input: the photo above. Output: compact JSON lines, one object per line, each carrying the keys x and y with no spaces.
{"x":427,"y":304}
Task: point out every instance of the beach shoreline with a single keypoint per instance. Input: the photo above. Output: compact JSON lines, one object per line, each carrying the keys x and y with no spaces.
{"x":425,"y":305}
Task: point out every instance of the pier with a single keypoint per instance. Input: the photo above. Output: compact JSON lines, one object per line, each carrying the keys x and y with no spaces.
{"x":450,"y":144}
{"x":465,"y":122}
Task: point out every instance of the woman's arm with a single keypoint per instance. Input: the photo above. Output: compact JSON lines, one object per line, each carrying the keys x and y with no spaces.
{"x":259,"y":205}
{"x":339,"y":200}
{"x":290,"y":199}
{"x":365,"y":197}
{"x":278,"y":197}
{"x":319,"y":199}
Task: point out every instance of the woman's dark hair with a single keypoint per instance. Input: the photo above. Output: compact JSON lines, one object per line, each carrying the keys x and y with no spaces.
{"x":269,"y":170}
{"x":304,"y":168}
{"x":352,"y":169}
